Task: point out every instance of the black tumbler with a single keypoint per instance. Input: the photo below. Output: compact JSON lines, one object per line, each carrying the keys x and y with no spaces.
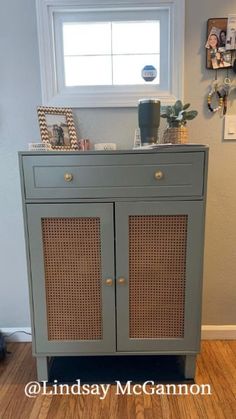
{"x":149,"y":120}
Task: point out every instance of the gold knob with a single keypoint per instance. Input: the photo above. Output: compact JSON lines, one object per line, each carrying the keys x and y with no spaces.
{"x":121,"y":281}
{"x":68,"y":177}
{"x":108,"y":281}
{"x":158,"y":175}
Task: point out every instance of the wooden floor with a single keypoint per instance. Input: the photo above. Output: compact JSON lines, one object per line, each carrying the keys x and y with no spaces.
{"x":215,"y":366}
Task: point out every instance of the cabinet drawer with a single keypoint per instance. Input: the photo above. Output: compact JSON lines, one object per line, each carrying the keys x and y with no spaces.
{"x":113,"y":175}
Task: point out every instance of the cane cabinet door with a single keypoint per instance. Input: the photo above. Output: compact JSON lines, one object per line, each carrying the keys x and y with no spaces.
{"x":158,"y":262}
{"x":72,"y":277}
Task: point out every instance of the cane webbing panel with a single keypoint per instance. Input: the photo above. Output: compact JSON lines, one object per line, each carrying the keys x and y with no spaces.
{"x":72,"y":263}
{"x":157,"y":259}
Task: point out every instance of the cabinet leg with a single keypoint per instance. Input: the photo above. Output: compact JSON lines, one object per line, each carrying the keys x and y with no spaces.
{"x":189,"y":366}
{"x":42,"y":368}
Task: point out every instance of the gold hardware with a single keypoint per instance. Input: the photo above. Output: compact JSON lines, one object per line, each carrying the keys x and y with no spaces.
{"x":68,"y":177}
{"x":158,"y":175}
{"x":108,"y":281}
{"x":121,"y":281}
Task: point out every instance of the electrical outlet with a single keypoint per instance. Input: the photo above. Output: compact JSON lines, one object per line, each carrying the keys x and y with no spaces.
{"x":230,"y":128}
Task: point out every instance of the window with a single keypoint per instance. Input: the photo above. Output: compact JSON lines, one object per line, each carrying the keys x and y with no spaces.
{"x":110,"y":55}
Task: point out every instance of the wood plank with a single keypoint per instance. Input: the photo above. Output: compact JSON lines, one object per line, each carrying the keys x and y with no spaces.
{"x":130,"y":408}
{"x":139,"y":406}
{"x":158,"y":409}
{"x":204,"y":404}
{"x":105,"y":406}
{"x":213,"y":373}
{"x":41,"y":407}
{"x":12,"y":361}
{"x":20,"y":370}
{"x":232,"y":345}
{"x":227,"y":357}
{"x":113,"y":402}
{"x":215,"y":366}
{"x":219,"y":371}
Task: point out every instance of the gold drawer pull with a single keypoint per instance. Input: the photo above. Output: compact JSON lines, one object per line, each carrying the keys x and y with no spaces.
{"x":158,"y":175}
{"x":108,"y":282}
{"x":121,"y":281}
{"x":68,"y":177}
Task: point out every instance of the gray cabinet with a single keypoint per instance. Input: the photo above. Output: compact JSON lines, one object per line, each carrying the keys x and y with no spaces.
{"x":114,"y":245}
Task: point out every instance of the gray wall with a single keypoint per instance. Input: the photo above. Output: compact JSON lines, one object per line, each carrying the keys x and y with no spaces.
{"x":20,"y":95}
{"x":220,"y":266}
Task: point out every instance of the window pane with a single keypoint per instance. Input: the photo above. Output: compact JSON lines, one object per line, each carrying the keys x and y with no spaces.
{"x":88,"y":71}
{"x":136,"y":37}
{"x":127,"y":68}
{"x":106,"y":53}
{"x":87,"y":38}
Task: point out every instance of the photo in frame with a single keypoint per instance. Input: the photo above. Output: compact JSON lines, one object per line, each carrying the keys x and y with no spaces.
{"x":57,"y":128}
{"x":217,"y":56}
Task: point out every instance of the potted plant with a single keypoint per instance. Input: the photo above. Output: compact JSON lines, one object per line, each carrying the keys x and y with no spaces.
{"x":177,"y":117}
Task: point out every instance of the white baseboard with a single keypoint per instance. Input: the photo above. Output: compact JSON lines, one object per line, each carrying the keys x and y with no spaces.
{"x":224,"y":332}
{"x":21,"y":334}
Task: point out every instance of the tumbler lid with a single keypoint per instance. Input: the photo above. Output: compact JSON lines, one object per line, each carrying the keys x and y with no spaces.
{"x":149,"y":101}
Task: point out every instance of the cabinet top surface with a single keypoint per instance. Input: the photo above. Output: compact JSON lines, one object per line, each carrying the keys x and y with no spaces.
{"x":161,"y":149}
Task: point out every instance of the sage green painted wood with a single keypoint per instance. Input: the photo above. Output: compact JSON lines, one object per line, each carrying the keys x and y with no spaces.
{"x":162,"y":148}
{"x":35,"y":213}
{"x":117,"y":199}
{"x":165,"y":351}
{"x":201,"y":257}
{"x":27,"y":251}
{"x":101,"y":176}
{"x":42,"y":368}
{"x":189,"y":366}
{"x":194,"y":211}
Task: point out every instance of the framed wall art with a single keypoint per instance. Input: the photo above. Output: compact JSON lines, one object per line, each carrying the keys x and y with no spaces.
{"x":57,"y":128}
{"x":217,"y":56}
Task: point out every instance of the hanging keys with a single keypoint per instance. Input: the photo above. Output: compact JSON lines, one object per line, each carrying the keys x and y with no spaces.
{"x":226,"y":91}
{"x":218,"y":98}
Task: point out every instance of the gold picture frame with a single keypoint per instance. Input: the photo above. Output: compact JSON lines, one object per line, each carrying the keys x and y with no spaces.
{"x":57,"y":128}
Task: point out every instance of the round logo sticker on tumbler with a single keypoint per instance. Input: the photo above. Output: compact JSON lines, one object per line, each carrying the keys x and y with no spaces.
{"x":149,"y":73}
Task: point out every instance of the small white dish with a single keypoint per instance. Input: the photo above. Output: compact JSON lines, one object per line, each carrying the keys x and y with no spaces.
{"x":105,"y":146}
{"x":38,"y":147}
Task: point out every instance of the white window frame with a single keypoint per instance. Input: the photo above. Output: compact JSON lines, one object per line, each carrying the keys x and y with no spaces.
{"x":54,"y":95}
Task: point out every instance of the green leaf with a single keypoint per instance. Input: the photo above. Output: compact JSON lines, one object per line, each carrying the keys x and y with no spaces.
{"x":186,"y":106}
{"x":169,"y":110}
{"x":164,"y":115}
{"x":178,"y":107}
{"x":191,"y":115}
